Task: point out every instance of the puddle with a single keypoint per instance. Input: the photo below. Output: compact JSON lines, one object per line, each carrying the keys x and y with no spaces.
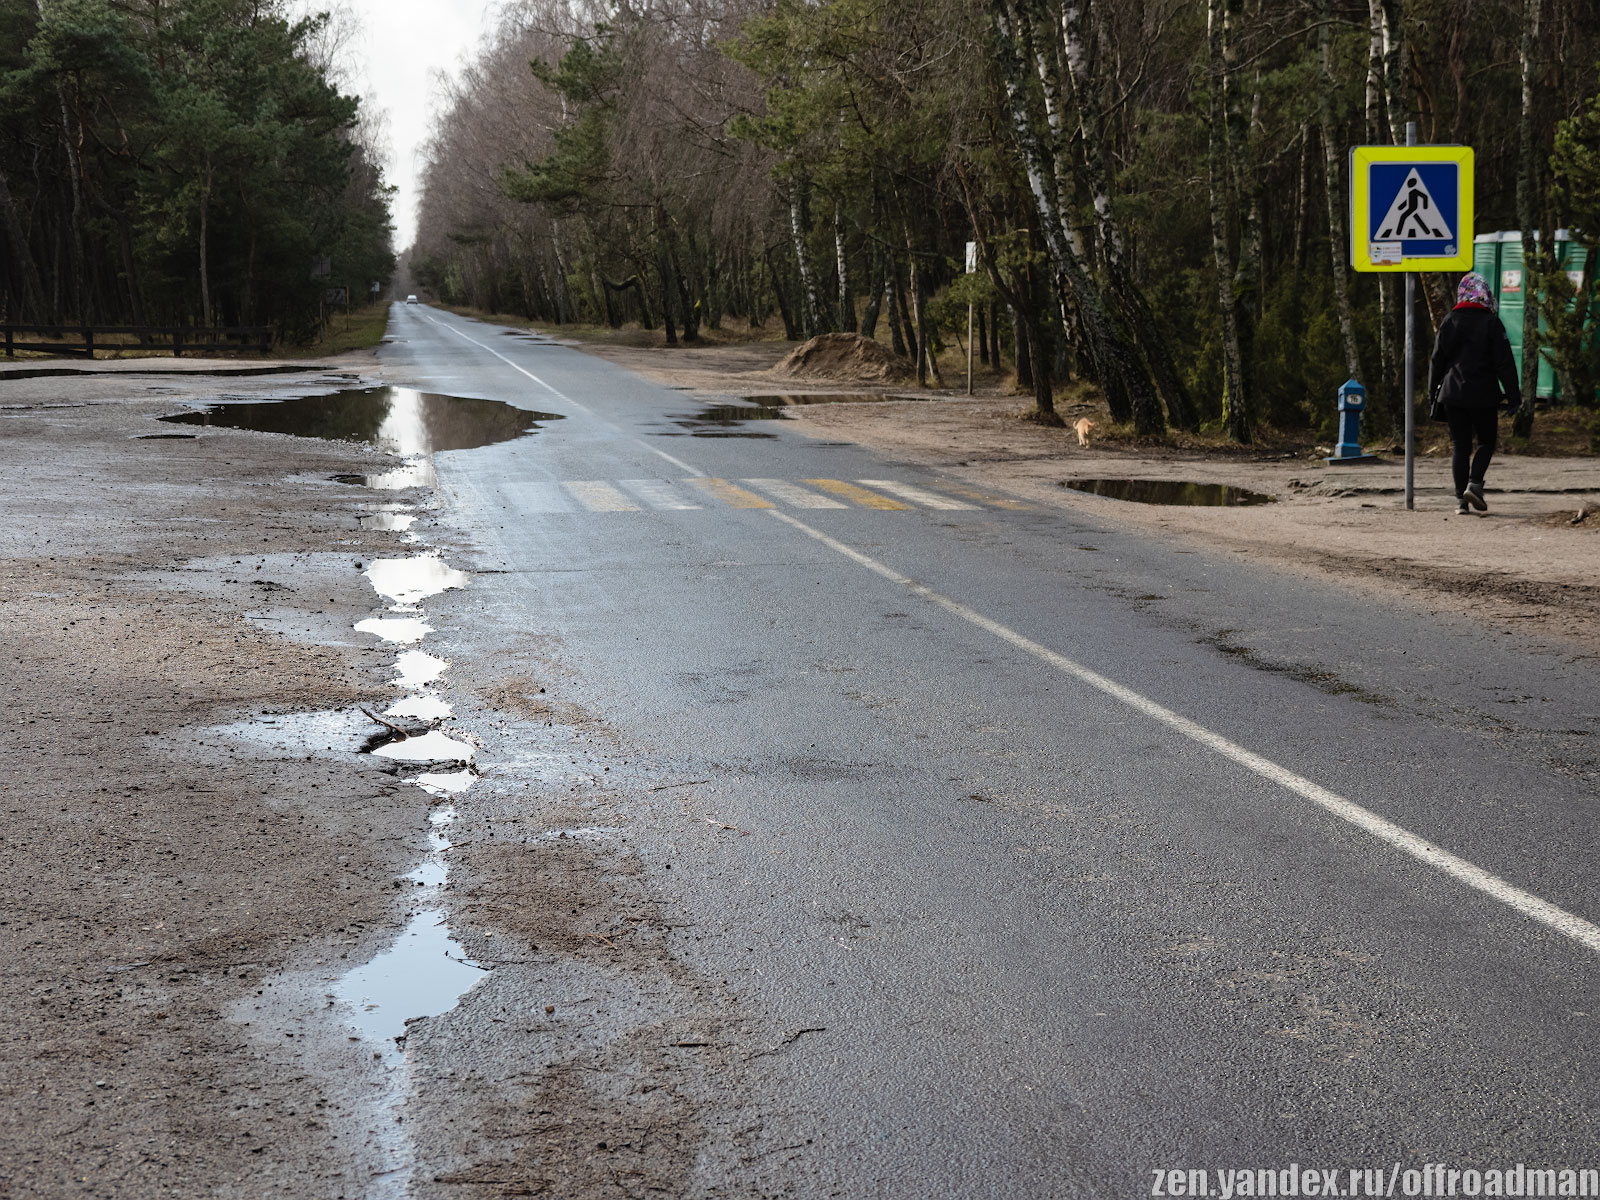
{"x":342,"y":731}
{"x":422,"y":975}
{"x":388,"y":521}
{"x":1169,"y":491}
{"x":727,"y":420}
{"x":805,"y":398}
{"x":404,"y":581}
{"x":401,"y":421}
{"x":430,"y":747}
{"x":402,"y":631}
{"x":165,"y":437}
{"x":445,"y":783}
{"x":417,"y":669}
{"x":424,"y":706}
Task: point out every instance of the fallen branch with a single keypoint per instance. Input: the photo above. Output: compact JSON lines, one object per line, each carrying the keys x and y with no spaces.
{"x":401,"y":730}
{"x":661,"y":787}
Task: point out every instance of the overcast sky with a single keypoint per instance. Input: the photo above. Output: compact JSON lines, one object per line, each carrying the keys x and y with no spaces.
{"x":400,"y":47}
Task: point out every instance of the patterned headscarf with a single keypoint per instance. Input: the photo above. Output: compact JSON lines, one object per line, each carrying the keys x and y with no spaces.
{"x":1474,"y":289}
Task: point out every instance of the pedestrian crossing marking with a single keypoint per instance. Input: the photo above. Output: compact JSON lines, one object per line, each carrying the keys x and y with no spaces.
{"x":657,"y":493}
{"x":793,"y":494}
{"x":916,"y":495}
{"x":598,"y":496}
{"x":859,"y":495}
{"x":985,"y":498}
{"x":539,"y":497}
{"x":730,"y":494}
{"x":700,"y":494}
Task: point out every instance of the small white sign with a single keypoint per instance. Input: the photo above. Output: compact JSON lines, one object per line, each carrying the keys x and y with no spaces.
{"x":972,"y":257}
{"x":1386,"y":252}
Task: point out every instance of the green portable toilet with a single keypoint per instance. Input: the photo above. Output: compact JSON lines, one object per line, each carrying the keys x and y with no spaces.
{"x":1510,"y":290}
{"x":1486,"y":260}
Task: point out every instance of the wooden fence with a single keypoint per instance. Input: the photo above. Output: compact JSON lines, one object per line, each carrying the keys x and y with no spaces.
{"x":80,"y":341}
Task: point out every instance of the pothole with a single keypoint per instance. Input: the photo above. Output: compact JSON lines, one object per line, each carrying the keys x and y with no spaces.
{"x":402,"y":421}
{"x":405,"y":581}
{"x":1170,"y":491}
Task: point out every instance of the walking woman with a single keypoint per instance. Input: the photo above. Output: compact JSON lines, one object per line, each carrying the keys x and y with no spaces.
{"x":1472,"y":363}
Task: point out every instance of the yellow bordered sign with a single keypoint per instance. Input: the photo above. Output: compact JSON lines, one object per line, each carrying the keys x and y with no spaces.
{"x":1411,"y":208}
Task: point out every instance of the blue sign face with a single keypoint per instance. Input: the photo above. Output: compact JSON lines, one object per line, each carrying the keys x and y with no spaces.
{"x":1415,"y":209}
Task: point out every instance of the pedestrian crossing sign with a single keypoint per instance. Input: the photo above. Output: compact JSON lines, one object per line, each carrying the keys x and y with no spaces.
{"x":1411,"y":208}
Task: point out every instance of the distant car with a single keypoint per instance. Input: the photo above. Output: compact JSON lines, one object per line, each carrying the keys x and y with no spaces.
{"x":411,"y":299}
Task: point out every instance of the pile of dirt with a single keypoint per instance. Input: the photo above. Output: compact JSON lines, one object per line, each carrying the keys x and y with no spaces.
{"x":844,"y":356}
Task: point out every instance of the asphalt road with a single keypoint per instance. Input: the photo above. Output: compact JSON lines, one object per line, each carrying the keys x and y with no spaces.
{"x":1068,"y":854}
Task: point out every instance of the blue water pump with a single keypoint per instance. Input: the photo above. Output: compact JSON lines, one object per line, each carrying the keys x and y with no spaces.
{"x":1352,"y":403}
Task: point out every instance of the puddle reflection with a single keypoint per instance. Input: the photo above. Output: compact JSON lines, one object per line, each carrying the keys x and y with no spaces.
{"x":422,"y":975}
{"x":1169,"y":491}
{"x":404,"y":581}
{"x":401,"y":421}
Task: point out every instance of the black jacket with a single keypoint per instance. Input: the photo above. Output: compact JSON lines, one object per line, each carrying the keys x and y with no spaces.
{"x":1472,"y":362}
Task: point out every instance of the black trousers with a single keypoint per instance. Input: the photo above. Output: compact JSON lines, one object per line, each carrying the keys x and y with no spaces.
{"x":1467,"y":424}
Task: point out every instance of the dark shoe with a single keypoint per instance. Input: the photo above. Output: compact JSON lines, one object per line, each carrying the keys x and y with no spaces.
{"x":1461,"y":506}
{"x":1474,"y":496}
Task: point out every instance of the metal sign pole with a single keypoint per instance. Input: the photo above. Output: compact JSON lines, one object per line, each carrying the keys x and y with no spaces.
{"x":1411,"y":352}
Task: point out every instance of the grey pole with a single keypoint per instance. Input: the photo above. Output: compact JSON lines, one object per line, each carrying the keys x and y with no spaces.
{"x":1411,"y":353}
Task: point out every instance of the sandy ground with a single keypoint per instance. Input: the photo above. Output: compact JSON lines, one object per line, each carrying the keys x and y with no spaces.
{"x":1524,"y":561}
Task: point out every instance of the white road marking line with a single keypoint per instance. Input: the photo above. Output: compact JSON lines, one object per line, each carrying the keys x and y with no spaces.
{"x":914,"y":494}
{"x":599,"y":496}
{"x":1419,"y":848}
{"x":793,"y":494}
{"x":538,"y":497}
{"x":657,"y":493}
{"x":588,"y":412}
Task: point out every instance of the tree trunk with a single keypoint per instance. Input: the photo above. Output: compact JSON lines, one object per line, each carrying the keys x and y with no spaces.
{"x":1115,"y":363}
{"x":994,"y":335}
{"x":847,"y":307}
{"x":1019,"y":339}
{"x":811,"y":300}
{"x":1235,"y":404}
{"x":1527,"y":204}
{"x":1091,"y":102}
{"x":28,"y":290}
{"x":1334,"y":194}
{"x":205,"y":266}
{"x":875,"y":293}
{"x":791,"y":326}
{"x":982,"y":337}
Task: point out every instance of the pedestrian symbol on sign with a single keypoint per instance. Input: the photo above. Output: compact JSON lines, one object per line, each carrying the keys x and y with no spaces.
{"x":1414,"y":213}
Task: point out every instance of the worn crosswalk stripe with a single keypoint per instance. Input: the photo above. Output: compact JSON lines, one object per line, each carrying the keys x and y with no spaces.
{"x":538,"y":497}
{"x":657,"y":493}
{"x":983,"y":498}
{"x":599,"y":496}
{"x":916,"y":495}
{"x":859,"y":495}
{"x":730,"y":494}
{"x":792,"y":494}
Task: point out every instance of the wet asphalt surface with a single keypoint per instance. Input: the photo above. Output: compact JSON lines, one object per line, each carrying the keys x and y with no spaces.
{"x":1024,"y":940}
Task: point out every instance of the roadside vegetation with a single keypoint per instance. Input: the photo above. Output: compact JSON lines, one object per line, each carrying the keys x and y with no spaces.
{"x":182,"y":163}
{"x":1158,"y":191}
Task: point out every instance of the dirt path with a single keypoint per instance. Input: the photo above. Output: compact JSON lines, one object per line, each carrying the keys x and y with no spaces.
{"x":1525,"y":561}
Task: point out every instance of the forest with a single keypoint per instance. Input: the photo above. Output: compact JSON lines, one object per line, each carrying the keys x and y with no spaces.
{"x":1157,"y":189}
{"x":188,"y":163}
